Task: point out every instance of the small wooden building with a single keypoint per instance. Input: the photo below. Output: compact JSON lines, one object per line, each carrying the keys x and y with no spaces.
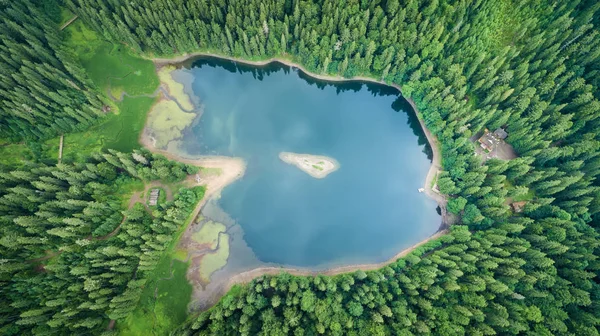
{"x":500,"y":134}
{"x":518,"y":206}
{"x":154,"y":193}
{"x":487,"y":140}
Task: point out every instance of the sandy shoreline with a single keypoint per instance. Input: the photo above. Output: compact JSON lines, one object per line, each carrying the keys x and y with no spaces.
{"x":234,"y":168}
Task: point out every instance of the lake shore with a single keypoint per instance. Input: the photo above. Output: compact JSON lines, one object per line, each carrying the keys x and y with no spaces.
{"x":231,"y":169}
{"x":436,"y":160}
{"x":215,"y":293}
{"x":316,"y":166}
{"x":234,"y":168}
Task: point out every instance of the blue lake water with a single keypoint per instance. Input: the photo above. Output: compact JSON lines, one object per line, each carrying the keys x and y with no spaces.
{"x":366,"y":211}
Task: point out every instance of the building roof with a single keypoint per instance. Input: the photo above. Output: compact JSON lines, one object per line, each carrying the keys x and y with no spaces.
{"x":518,"y":206}
{"x":486,"y":140}
{"x":500,"y":134}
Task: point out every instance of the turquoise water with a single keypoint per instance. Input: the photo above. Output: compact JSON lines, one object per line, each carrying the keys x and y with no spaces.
{"x":366,"y":211}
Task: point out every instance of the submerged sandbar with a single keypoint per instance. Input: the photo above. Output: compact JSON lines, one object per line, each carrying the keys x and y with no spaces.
{"x":316,"y":166}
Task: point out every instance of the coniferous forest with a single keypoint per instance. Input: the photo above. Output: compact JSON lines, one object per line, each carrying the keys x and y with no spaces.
{"x":530,"y":66}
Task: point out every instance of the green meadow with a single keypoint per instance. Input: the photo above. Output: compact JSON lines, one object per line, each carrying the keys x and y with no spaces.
{"x":116,"y":72}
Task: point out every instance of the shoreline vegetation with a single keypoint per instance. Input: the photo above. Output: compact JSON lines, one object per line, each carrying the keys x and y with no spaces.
{"x":316,"y":166}
{"x":234,"y":168}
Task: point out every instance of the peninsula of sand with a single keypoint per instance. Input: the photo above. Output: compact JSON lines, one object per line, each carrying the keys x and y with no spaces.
{"x":314,"y":165}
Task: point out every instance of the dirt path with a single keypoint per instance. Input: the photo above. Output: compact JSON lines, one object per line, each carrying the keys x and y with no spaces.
{"x":46,"y":257}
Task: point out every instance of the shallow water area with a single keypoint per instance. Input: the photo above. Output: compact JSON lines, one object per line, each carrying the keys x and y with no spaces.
{"x":364,"y":212}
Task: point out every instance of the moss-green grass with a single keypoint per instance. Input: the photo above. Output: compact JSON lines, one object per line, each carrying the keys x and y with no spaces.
{"x":161,"y":315}
{"x":14,"y":155}
{"x":209,"y":234}
{"x":125,"y":187}
{"x":213,"y":262}
{"x":107,"y":64}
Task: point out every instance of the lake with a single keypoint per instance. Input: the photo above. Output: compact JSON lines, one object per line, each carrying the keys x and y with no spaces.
{"x":366,"y":211}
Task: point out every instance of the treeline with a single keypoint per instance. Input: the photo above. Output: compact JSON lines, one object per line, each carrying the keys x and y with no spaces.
{"x":72,"y":256}
{"x":529,"y":66}
{"x":43,"y":90}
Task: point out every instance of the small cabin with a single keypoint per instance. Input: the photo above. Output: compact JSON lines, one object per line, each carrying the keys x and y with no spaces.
{"x":154,"y":193}
{"x":487,"y":140}
{"x":500,"y":134}
{"x":518,"y":206}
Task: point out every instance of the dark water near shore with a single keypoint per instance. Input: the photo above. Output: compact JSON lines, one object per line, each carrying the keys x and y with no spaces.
{"x":366,"y":211}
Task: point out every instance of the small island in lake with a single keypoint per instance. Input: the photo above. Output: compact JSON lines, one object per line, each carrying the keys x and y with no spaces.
{"x":314,"y":165}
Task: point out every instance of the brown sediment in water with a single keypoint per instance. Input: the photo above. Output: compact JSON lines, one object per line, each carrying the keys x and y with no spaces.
{"x":233,"y":168}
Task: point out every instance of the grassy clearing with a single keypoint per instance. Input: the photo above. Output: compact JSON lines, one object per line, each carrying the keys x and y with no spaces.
{"x":126,"y":187}
{"x":161,"y":315}
{"x":109,"y":64}
{"x":14,"y":155}
{"x":209,"y":234}
{"x":212,"y":262}
{"x":111,"y":67}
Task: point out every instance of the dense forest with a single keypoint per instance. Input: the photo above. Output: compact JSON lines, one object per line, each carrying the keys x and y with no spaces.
{"x":100,"y":253}
{"x":530,"y":66}
{"x":43,"y":91}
